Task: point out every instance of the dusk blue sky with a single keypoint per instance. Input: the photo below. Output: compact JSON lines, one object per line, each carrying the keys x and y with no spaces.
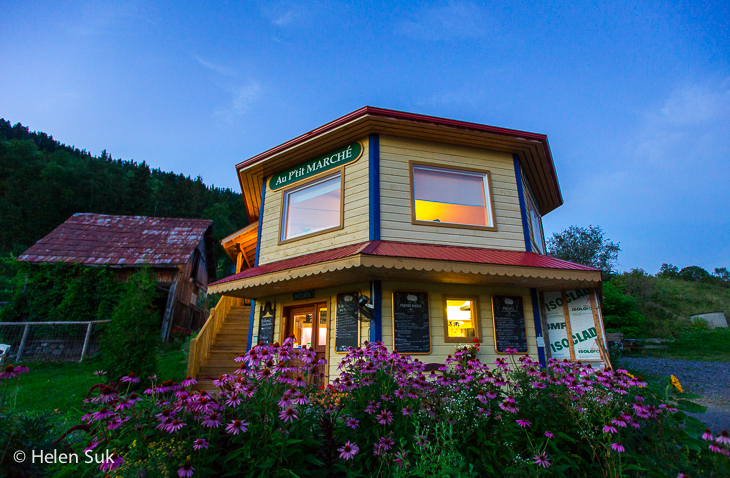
{"x":634,"y":96}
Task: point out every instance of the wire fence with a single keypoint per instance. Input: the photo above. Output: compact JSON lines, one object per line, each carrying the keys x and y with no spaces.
{"x":51,"y":341}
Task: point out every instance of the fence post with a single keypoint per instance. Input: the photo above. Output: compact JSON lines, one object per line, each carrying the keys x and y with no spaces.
{"x":22,"y":343}
{"x":86,"y":341}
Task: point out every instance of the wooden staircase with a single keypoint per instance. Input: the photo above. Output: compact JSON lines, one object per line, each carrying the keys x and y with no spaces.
{"x":223,"y":338}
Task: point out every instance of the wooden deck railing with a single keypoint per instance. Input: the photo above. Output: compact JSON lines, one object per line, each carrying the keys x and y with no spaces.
{"x":200,"y":346}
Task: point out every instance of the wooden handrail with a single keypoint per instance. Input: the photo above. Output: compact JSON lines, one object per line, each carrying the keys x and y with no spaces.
{"x":200,"y":346}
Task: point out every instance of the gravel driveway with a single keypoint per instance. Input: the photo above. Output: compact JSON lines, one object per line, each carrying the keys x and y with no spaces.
{"x":709,"y":379}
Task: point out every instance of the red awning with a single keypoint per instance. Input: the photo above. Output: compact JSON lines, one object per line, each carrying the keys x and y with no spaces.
{"x":415,"y":251}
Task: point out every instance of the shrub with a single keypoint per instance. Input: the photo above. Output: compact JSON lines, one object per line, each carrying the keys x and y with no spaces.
{"x":694,"y":274}
{"x":620,"y":312}
{"x":60,"y":292}
{"x":131,"y":340}
{"x":636,"y":283}
{"x":384,"y":417}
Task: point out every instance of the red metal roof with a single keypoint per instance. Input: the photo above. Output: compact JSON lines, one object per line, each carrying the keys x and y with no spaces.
{"x":415,"y":251}
{"x":98,"y":239}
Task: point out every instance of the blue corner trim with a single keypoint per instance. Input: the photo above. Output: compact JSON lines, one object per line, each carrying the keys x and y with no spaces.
{"x":523,"y":209}
{"x":261,"y":220}
{"x":374,"y":179}
{"x":538,"y":326}
{"x":376,"y":324}
{"x":256,"y":263}
{"x":250,"y":326}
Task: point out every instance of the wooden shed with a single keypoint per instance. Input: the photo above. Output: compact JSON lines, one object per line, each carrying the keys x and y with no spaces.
{"x":180,"y":253}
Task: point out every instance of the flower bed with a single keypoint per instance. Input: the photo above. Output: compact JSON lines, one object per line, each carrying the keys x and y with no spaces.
{"x":384,"y":416}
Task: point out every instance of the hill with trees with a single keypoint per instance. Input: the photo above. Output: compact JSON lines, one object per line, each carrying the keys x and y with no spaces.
{"x":43,"y":182}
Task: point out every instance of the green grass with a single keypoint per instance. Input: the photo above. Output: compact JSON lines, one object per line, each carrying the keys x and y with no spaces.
{"x":703,"y":345}
{"x":61,"y":387}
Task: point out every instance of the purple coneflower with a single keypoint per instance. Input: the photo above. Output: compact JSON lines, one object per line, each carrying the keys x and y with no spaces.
{"x":549,"y":434}
{"x":200,"y":443}
{"x":618,"y":447}
{"x":372,"y":407}
{"x":723,"y":438}
{"x":186,"y":471}
{"x":386,"y":443}
{"x":91,"y":446}
{"x":114,"y":462}
{"x":189,"y":382}
{"x":348,"y":451}
{"x":407,"y":411}
{"x":108,"y":394}
{"x":102,"y":414}
{"x":523,"y":423}
{"x":114,"y":424}
{"x":288,"y":415}
{"x":131,"y":378}
{"x":385,"y":417}
{"x":541,"y":460}
{"x":400,"y":458}
{"x":100,"y":373}
{"x":715,"y":448}
{"x":174,"y":426}
{"x":236,"y":427}
{"x":511,"y":351}
{"x":609,"y":429}
{"x":234,"y":400}
{"x":9,"y":372}
{"x":352,"y":423}
{"x":212,"y":421}
{"x":400,"y":393}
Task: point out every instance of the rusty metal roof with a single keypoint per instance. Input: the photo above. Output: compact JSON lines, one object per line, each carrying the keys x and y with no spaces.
{"x":415,"y":251}
{"x":99,"y":239}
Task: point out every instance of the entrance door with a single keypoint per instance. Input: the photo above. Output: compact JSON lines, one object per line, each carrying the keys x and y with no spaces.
{"x":308,"y":324}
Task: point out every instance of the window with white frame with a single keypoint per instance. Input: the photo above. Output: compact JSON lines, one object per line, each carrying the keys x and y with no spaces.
{"x":312,"y":208}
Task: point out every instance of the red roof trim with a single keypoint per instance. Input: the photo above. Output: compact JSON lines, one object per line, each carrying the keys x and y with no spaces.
{"x":371,"y":110}
{"x":414,"y":251}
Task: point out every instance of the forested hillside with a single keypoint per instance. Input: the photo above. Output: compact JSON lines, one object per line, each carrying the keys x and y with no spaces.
{"x":43,"y":182}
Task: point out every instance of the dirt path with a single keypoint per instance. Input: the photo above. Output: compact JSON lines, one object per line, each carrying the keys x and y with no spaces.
{"x":709,"y":379}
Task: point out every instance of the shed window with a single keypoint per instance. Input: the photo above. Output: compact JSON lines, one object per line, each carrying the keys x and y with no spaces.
{"x":451,"y":196}
{"x":313,"y":207}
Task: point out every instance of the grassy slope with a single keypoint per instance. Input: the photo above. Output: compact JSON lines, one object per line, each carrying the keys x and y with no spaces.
{"x":690,"y":298}
{"x":668,"y":309}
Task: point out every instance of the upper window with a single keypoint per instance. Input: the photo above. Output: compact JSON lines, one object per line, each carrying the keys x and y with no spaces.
{"x":452,"y":196}
{"x":535,"y":224}
{"x":312,"y":208}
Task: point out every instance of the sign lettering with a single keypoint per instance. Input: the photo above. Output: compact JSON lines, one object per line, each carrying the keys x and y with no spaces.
{"x":332,"y":160}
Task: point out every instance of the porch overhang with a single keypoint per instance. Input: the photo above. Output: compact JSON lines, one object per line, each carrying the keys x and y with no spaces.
{"x":377,"y":260}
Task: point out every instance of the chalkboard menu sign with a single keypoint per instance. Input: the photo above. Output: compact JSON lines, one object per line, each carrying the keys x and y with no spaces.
{"x":509,"y":323}
{"x":411,"y":326}
{"x":347,"y":327}
{"x":266,"y":323}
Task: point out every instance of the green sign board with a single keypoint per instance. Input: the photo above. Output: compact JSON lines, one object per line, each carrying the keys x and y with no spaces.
{"x":306,"y":294}
{"x":332,"y":160}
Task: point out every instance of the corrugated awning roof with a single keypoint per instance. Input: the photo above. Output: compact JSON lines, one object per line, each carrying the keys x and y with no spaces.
{"x":414,"y":251}
{"x":99,"y":239}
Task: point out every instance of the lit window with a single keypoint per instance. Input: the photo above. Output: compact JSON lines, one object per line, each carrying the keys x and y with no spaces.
{"x":461,"y":319}
{"x":311,"y":208}
{"x":451,"y":196}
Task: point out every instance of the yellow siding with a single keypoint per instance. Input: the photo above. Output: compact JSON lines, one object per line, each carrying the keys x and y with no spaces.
{"x":395,"y":205}
{"x":441,"y":350}
{"x":356,"y":226}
